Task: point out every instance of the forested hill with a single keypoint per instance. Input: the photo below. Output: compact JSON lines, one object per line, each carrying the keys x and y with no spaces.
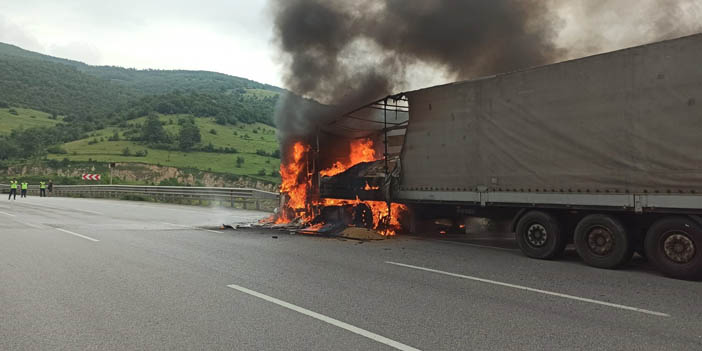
{"x":46,"y":84}
{"x":95,"y":96}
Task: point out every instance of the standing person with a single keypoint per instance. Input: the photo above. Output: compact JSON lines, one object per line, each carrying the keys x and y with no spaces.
{"x":25,"y":186}
{"x":42,"y":189}
{"x":51,"y":186}
{"x":13,"y":189}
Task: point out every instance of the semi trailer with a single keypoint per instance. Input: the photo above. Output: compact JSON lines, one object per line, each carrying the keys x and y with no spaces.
{"x":604,"y":152}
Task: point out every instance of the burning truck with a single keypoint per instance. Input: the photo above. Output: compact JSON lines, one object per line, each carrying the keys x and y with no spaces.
{"x":342,"y":176}
{"x":602,"y":152}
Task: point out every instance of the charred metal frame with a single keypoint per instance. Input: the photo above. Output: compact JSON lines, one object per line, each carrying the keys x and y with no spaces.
{"x":393,"y":103}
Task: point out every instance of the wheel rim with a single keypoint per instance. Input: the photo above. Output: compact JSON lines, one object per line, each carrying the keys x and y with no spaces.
{"x":600,"y":241}
{"x":679,"y":248}
{"x":537,"y":235}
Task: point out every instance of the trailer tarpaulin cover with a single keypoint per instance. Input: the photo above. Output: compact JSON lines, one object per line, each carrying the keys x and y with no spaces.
{"x":624,"y":121}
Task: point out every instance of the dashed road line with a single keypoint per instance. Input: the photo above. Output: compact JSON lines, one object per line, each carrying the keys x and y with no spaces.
{"x":337,"y":323}
{"x":524,"y":288}
{"x":78,"y":235}
{"x":93,"y":212}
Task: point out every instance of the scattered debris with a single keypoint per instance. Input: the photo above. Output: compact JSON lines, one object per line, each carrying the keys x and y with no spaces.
{"x":361,"y":234}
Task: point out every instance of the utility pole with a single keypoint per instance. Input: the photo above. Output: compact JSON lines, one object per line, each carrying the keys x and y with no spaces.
{"x":111,"y":166}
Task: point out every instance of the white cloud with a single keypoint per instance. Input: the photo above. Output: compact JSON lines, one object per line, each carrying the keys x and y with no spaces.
{"x":12,"y":33}
{"x":235,"y":36}
{"x":79,"y":51}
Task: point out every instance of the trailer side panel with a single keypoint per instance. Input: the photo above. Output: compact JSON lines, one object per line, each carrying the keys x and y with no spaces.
{"x":628,"y":121}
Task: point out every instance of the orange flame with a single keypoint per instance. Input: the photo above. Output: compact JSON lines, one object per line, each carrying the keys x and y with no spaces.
{"x":370,"y":188}
{"x":293,"y":184}
{"x":296,"y":184}
{"x":380,"y":213}
{"x":361,"y":151}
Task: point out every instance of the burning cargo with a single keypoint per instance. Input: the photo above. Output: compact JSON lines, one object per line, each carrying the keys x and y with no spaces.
{"x":602,"y":151}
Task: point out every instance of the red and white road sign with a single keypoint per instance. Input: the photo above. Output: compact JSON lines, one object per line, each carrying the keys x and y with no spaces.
{"x":91,"y":177}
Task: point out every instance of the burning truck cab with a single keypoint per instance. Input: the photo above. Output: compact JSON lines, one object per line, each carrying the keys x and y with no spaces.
{"x":343,"y":175}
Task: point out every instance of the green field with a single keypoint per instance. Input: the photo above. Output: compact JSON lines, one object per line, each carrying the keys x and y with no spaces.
{"x":24,"y":119}
{"x":247,"y":139}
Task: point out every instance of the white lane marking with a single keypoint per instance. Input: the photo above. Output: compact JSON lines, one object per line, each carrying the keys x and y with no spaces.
{"x":78,"y":235}
{"x":93,"y":212}
{"x":375,"y":337}
{"x":25,"y":223}
{"x":571,"y":297}
{"x":32,"y":225}
{"x":195,"y":228}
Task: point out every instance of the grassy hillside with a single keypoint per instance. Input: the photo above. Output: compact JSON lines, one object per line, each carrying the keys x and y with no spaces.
{"x":248,"y":140}
{"x":24,"y":119}
{"x":84,"y":106}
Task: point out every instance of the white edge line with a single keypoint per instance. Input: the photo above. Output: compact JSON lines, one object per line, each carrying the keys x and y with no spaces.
{"x":33,"y":226}
{"x":488,"y":281}
{"x":370,"y":335}
{"x":8,"y":214}
{"x":76,"y":234}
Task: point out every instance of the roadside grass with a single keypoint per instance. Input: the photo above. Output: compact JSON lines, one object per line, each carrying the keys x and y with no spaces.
{"x":25,"y":119}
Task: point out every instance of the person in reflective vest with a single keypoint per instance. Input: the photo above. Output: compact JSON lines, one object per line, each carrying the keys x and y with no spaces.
{"x":13,"y":190}
{"x":42,"y":189}
{"x":25,"y":186}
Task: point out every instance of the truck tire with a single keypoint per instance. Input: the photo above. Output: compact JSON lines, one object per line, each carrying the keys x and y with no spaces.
{"x":602,"y":241}
{"x":674,"y":246}
{"x":539,"y":235}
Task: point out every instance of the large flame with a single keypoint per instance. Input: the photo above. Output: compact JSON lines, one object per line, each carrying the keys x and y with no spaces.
{"x":361,"y":151}
{"x":296,"y":184}
{"x":380,"y":213}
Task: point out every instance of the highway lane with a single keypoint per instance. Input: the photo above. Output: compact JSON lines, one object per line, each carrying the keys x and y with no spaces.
{"x":160,"y":277}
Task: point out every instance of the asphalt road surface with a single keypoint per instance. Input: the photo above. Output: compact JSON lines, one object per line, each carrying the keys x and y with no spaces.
{"x":97,"y":274}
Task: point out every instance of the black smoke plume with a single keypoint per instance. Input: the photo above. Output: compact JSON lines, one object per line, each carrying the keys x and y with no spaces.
{"x":347,"y":53}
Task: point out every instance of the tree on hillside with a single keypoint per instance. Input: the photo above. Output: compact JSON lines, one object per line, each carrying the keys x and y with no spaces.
{"x":189,"y":136}
{"x":7,"y":150}
{"x":153,"y":131}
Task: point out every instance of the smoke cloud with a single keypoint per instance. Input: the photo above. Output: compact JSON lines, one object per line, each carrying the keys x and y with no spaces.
{"x":343,"y":51}
{"x":347,"y":53}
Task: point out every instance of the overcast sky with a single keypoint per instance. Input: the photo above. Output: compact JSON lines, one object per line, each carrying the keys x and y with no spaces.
{"x":227,"y":36}
{"x":234,"y":36}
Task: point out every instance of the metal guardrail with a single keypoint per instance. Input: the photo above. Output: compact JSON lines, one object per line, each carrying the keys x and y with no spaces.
{"x":229,"y":195}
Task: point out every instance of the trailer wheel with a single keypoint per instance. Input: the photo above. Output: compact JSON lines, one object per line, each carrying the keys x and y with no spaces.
{"x":674,"y":246}
{"x":539,"y":235}
{"x":602,"y":241}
